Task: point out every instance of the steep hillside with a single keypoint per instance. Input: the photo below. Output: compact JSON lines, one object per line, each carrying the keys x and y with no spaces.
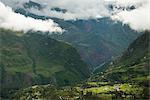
{"x":34,"y":58}
{"x":97,"y":41}
{"x":133,"y":66}
{"x":125,"y":79}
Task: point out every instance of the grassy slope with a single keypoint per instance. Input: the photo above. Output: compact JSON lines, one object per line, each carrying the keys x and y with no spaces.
{"x":96,"y":40}
{"x":130,"y":75}
{"x":37,"y":59}
{"x":133,"y":66}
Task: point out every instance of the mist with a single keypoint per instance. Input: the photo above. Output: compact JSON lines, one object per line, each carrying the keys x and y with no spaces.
{"x":14,"y":21}
{"x":137,"y":18}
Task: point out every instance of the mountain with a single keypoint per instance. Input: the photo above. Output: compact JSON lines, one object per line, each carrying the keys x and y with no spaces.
{"x":125,"y":78}
{"x":35,"y":58}
{"x":132,"y":66}
{"x":97,"y":40}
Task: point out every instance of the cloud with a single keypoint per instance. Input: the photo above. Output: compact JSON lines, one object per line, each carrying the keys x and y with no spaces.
{"x":15,"y":21}
{"x":138,"y":18}
{"x":79,"y":9}
{"x":75,"y":9}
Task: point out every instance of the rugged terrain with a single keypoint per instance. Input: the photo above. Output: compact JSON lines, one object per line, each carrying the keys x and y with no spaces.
{"x":126,"y":78}
{"x":97,"y":40}
{"x":35,"y":58}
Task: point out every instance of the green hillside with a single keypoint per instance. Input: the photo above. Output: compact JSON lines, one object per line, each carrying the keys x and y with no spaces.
{"x":35,"y":58}
{"x":132,"y":66}
{"x":124,"y":79}
{"x":97,"y":41}
{"x":130,"y":72}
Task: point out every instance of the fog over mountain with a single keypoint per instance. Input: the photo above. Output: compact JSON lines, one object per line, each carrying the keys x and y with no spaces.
{"x":11,"y":20}
{"x":74,"y":49}
{"x":75,"y":9}
{"x":127,"y":11}
{"x":138,"y":18}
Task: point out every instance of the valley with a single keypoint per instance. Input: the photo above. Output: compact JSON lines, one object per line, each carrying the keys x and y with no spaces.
{"x":74,"y":50}
{"x":127,"y":77}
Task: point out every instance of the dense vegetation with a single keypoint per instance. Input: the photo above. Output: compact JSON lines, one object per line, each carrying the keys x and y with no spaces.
{"x":44,"y":66}
{"x":93,"y":91}
{"x":35,"y":58}
{"x":132,"y":66}
{"x":97,"y":41}
{"x":125,"y":78}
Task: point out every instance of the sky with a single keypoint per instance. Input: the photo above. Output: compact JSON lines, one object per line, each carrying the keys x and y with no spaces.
{"x":138,"y":18}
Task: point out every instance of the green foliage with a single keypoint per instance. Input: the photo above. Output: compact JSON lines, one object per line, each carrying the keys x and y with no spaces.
{"x":132,"y":66}
{"x":131,"y":70}
{"x":35,"y":58}
{"x":96,"y":40}
{"x":105,"y":92}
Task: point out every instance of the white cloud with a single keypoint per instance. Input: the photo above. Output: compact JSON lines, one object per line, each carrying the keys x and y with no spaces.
{"x":15,"y":21}
{"x":139,"y":18}
{"x":79,"y":9}
{"x":76,"y":9}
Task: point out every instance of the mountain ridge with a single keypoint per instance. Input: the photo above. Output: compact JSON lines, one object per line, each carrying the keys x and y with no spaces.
{"x":132,"y":66}
{"x":35,"y":58}
{"x":97,"y":40}
{"x":121,"y":80}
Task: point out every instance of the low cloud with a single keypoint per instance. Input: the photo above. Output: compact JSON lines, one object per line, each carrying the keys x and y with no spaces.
{"x":138,"y":18}
{"x":75,"y":9}
{"x":11,"y":20}
{"x":79,"y":9}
